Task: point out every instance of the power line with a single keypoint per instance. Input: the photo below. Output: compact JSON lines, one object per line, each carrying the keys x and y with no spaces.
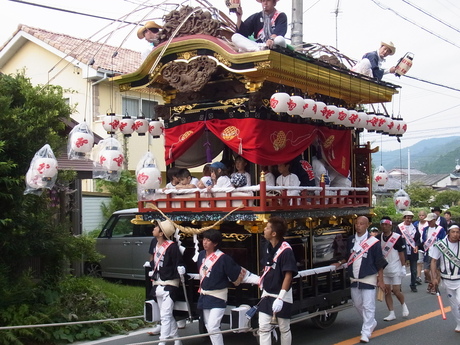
{"x":412,"y":22}
{"x":432,"y":83}
{"x":431,"y":16}
{"x":72,"y":12}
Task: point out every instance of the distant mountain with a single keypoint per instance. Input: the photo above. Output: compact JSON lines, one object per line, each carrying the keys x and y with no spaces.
{"x":432,"y":156}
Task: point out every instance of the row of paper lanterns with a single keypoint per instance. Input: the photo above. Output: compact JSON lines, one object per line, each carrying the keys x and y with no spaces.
{"x":127,"y":125}
{"x":282,"y":102}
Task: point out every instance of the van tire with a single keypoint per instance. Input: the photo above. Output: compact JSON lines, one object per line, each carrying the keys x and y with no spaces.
{"x":93,"y":269}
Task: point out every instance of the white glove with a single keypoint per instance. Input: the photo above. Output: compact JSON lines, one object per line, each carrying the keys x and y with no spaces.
{"x":251,"y":278}
{"x":146,"y":264}
{"x":181,"y":270}
{"x":277,"y":305}
{"x":403,"y":271}
{"x":150,"y":273}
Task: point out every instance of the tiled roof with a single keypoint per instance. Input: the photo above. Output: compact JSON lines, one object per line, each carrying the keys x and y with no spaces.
{"x":126,"y":61}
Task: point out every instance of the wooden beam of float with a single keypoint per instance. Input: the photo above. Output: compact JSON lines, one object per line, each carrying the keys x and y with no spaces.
{"x":291,"y":69}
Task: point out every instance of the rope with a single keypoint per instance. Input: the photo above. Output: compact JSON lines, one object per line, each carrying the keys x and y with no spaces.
{"x":189,"y":230}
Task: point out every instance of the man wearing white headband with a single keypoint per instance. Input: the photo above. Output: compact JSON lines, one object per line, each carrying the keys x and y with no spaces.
{"x":393,"y":248}
{"x":447,"y":253}
{"x":268,"y":28}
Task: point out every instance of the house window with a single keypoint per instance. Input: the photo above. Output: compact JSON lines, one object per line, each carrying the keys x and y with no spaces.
{"x":135,"y":107}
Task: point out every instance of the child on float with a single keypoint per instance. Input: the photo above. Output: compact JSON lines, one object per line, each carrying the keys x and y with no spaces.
{"x":288,"y":179}
{"x":186,"y":180}
{"x":206,"y":180}
{"x":240,"y":170}
{"x":171,"y":173}
{"x":219,"y":176}
{"x":167,"y":267}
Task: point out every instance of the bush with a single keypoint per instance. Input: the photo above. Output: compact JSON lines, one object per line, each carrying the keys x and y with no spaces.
{"x":73,"y":299}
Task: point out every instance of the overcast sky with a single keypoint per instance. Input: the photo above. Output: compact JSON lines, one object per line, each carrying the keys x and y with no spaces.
{"x":358,"y":27}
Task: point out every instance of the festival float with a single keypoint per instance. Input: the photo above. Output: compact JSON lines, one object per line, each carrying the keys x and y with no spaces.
{"x":271,"y":107}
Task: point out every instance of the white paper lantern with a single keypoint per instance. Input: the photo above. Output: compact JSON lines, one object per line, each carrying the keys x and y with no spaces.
{"x":81,"y":143}
{"x":34,"y":180}
{"x":149,"y":178}
{"x":126,"y":126}
{"x":362,"y":120}
{"x":389,"y":125}
{"x":372,"y":122}
{"x":110,"y":122}
{"x":279,"y":102}
{"x":352,"y":119}
{"x":342,"y":116}
{"x":309,"y":108}
{"x":156,"y":128}
{"x":46,"y":167}
{"x":402,"y":128}
{"x":111,"y":159}
{"x":331,"y":114}
{"x":295,"y":105}
{"x":321,"y":109}
{"x":382,"y":123}
{"x":401,"y":200}
{"x":141,"y":125}
{"x":380,"y":176}
{"x":396,"y":126}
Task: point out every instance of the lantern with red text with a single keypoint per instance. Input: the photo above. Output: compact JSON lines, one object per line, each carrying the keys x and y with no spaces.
{"x":321,"y":109}
{"x":342,"y":117}
{"x":295,"y":105}
{"x":42,"y":171}
{"x":309,"y":108}
{"x":352,"y":120}
{"x":401,"y":200}
{"x":380,"y":176}
{"x":81,"y":140}
{"x":110,"y":122}
{"x":141,"y":125}
{"x":110,"y":160}
{"x":331,"y":114}
{"x":156,"y":128}
{"x":148,"y":177}
{"x":279,"y":102}
{"x":126,"y":126}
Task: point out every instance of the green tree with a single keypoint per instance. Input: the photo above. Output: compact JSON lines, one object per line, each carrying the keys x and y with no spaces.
{"x":447,"y":197}
{"x":420,"y":195}
{"x":29,"y":228}
{"x":123,"y":193}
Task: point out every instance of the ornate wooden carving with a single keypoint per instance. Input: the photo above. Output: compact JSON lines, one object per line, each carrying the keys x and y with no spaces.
{"x":189,"y":76}
{"x":199,"y":23}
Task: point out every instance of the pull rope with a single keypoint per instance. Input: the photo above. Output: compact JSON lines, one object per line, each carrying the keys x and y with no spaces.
{"x":189,"y":230}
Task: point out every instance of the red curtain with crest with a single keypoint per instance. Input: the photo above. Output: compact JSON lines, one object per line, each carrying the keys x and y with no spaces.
{"x":264,"y":142}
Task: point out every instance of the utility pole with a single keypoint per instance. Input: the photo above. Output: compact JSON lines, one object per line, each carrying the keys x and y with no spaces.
{"x":297,"y":23}
{"x":337,"y":11}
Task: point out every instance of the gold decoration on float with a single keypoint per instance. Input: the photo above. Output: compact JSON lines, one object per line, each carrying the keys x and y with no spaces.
{"x":222,"y":60}
{"x":182,"y":108}
{"x":187,"y":55}
{"x":234,"y":101}
{"x":235,"y":237}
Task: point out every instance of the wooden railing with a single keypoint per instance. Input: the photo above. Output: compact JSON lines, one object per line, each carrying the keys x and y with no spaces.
{"x":260,"y":199}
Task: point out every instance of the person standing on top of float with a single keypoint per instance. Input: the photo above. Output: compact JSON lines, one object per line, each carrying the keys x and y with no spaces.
{"x":280,"y":268}
{"x":365,"y":267}
{"x":268,"y":28}
{"x":412,"y":237}
{"x":371,"y":63}
{"x":150,"y":31}
{"x":393,"y":250}
{"x":447,"y":252}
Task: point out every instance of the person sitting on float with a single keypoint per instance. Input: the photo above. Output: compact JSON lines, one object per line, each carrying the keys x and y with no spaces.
{"x":371,"y":63}
{"x":268,"y":28}
{"x":150,"y":32}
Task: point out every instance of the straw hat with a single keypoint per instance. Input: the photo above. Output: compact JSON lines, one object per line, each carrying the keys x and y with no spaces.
{"x":390,"y":46}
{"x":167,"y":228}
{"x":148,"y":25}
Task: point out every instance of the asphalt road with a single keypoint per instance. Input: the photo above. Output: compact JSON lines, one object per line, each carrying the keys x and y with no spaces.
{"x":423,"y":326}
